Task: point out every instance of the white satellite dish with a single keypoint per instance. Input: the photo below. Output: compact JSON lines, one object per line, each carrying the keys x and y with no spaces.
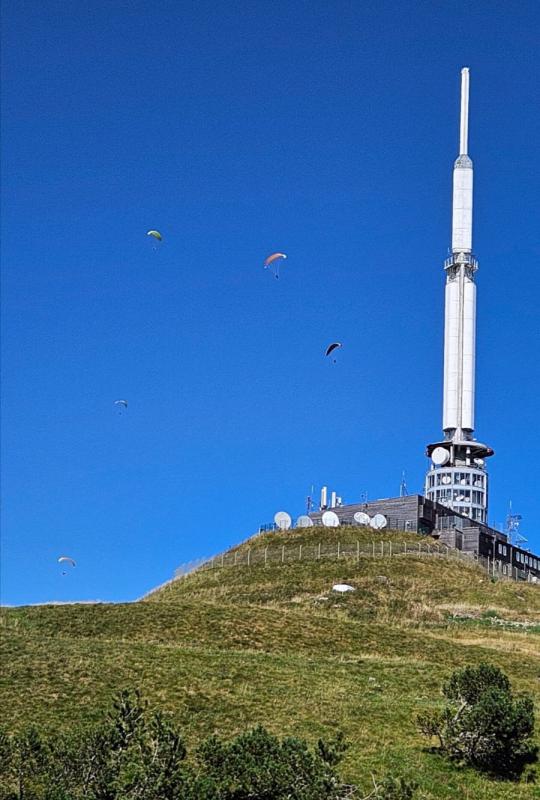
{"x":479,"y":461}
{"x":361,"y":518}
{"x":343,"y":587}
{"x":330,"y":519}
{"x":283,"y":520}
{"x":446,"y":479}
{"x":378,"y":521}
{"x":440,"y":456}
{"x":304,"y":521}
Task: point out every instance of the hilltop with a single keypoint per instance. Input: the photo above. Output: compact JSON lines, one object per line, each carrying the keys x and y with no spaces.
{"x":226,"y":647}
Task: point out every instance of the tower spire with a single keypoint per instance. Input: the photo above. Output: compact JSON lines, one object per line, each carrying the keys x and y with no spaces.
{"x":464,"y":121}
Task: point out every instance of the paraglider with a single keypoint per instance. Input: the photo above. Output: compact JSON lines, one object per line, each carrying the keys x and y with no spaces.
{"x":66,"y":560}
{"x":331,"y":347}
{"x":275,"y":258}
{"x":121,"y":404}
{"x":155,"y":239}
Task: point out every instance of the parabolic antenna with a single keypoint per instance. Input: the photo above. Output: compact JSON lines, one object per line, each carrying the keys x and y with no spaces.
{"x":479,"y":462}
{"x":446,"y":479}
{"x":440,"y":456}
{"x":361,"y":518}
{"x":330,"y":519}
{"x":378,"y":521}
{"x":304,"y":521}
{"x":283,"y":520}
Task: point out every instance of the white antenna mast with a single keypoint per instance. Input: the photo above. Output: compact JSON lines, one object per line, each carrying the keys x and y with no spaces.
{"x":403,"y":486}
{"x":464,"y":123}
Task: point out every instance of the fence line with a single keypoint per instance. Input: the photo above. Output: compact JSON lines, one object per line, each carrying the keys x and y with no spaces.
{"x":351,"y":551}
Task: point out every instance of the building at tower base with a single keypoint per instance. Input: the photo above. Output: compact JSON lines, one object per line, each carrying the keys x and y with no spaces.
{"x":419,"y":514}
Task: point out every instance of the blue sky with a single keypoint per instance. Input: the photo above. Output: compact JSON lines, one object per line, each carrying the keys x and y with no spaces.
{"x":326,"y":130}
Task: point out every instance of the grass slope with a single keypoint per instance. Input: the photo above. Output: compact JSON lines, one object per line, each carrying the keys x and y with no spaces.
{"x":227,"y":648}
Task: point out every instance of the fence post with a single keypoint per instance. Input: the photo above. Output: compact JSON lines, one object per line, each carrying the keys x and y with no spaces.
{"x":358,"y":551}
{"x":488,"y":566}
{"x":319,"y":552}
{"x":405,"y":548}
{"x":249,"y":557}
{"x":265,"y":556}
{"x":390,"y":546}
{"x":300,"y":553}
{"x":373,"y":548}
{"x":283,"y":554}
{"x":235,"y":558}
{"x":338,"y":546}
{"x":419,"y":547}
{"x":382,"y":548}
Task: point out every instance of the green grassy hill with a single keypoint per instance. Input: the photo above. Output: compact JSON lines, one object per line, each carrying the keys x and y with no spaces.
{"x":225,"y":648}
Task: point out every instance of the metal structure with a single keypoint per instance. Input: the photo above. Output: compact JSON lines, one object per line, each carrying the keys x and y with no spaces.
{"x":457,"y":477}
{"x":403,"y":486}
{"x":513,"y":521}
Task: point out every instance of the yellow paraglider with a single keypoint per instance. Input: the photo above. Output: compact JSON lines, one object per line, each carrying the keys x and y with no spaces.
{"x":155,"y":239}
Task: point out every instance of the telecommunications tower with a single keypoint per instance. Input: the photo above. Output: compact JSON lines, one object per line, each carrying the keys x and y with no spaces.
{"x":457,"y":475}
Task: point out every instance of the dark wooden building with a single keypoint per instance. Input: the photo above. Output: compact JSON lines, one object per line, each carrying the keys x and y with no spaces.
{"x":416,"y":513}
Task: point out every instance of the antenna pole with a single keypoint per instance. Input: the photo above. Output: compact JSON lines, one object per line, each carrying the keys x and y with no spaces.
{"x":464,"y":124}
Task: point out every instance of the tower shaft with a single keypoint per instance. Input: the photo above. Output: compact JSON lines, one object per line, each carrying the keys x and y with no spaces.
{"x":460,"y":293}
{"x":458,"y":461}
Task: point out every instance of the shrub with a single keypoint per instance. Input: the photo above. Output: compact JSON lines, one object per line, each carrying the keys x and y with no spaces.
{"x":138,"y":755}
{"x":391,"y":788}
{"x":258,"y":765}
{"x":483,"y":724}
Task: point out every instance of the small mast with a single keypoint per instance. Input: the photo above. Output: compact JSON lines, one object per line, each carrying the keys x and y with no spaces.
{"x":464,"y":122}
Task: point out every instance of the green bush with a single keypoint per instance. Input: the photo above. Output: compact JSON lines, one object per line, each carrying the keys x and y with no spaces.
{"x":138,"y":755}
{"x":258,"y":765}
{"x":483,"y":724}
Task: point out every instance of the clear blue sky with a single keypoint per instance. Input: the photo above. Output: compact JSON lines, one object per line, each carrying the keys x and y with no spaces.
{"x":327,"y":130}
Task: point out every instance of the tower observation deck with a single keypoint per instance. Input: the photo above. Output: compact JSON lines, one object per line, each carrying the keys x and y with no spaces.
{"x":457,"y":476}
